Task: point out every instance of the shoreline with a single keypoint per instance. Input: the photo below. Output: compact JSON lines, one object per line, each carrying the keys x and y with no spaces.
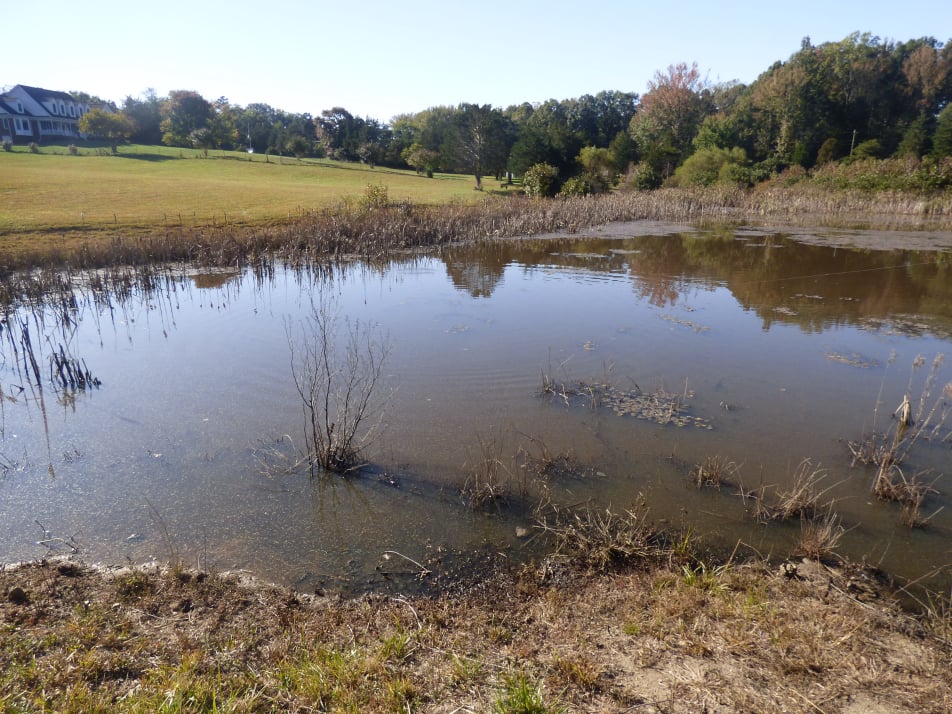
{"x":877,"y":221}
{"x":648,"y":636}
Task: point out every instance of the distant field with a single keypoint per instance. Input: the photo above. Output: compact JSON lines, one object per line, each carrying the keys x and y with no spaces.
{"x":148,"y":187}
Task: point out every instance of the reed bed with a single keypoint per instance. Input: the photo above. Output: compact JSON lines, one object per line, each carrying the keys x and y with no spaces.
{"x":368,"y":226}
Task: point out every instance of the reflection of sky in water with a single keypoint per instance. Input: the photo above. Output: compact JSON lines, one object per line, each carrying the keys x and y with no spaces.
{"x":197,"y":384}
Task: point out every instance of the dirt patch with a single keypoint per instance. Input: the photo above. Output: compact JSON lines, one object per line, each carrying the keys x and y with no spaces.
{"x":651,"y":639}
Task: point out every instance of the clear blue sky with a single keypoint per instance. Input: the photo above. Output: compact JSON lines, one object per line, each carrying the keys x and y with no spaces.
{"x":382,"y":58}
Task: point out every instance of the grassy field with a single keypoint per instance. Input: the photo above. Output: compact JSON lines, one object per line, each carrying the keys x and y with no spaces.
{"x":145,"y":187}
{"x":151,"y":205}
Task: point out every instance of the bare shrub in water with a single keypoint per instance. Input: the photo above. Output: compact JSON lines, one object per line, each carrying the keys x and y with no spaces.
{"x":337,"y":385}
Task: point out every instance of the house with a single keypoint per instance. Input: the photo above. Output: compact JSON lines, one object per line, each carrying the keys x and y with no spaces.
{"x":34,"y":114}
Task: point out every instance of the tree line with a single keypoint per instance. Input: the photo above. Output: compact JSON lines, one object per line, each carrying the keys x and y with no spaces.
{"x":834,"y":103}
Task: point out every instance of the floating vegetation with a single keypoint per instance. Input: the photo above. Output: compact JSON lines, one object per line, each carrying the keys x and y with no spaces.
{"x":659,"y":406}
{"x":853,"y":360}
{"x":685,"y":323}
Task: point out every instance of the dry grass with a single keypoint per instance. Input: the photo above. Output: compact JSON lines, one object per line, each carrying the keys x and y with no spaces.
{"x":599,"y":540}
{"x":653,"y":639}
{"x":329,"y":229}
{"x":714,"y":471}
{"x":820,"y":537}
{"x":915,"y":420}
{"x":802,"y":499}
{"x":489,"y":481}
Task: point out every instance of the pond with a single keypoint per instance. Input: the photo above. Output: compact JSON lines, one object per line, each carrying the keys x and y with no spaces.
{"x":622,"y":360}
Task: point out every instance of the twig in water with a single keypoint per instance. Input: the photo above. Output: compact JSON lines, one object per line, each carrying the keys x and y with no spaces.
{"x":424,"y":571}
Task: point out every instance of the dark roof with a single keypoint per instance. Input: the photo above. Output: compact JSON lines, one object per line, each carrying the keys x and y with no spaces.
{"x":42,"y":95}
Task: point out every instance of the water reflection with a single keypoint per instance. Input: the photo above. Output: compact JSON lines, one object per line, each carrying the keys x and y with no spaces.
{"x":814,"y":287}
{"x":804,"y":344}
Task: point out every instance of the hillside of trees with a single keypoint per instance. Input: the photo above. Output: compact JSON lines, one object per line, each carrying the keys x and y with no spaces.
{"x":861,"y":112}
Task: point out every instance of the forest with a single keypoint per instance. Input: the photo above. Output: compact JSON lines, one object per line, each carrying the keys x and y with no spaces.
{"x":862,"y":112}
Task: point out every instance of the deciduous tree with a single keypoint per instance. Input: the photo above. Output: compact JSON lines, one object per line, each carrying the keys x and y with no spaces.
{"x":185,"y":111}
{"x":478,"y":140}
{"x":106,"y":125}
{"x":670,"y":114}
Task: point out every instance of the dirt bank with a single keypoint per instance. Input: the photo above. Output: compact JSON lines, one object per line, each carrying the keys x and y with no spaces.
{"x":549,"y":638}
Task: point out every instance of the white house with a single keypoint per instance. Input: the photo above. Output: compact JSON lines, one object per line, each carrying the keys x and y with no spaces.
{"x":34,"y":114}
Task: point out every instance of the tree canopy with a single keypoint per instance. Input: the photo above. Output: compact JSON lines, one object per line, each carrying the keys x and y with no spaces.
{"x":856,"y":98}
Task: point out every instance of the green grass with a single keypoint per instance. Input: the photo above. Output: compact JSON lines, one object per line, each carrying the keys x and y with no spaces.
{"x":154,"y":186}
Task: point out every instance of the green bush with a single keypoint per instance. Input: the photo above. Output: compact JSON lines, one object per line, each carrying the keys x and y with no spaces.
{"x":897,"y":174}
{"x":870,"y":149}
{"x":575,"y":186}
{"x":375,"y":196}
{"x":827,"y":152}
{"x":539,"y":180}
{"x":706,"y":166}
{"x":642,"y":177}
{"x":735,"y":174}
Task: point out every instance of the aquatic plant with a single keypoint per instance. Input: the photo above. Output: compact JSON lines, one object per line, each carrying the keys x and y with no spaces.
{"x":916,"y":419}
{"x":601,"y":539}
{"x":489,"y":480}
{"x":819,"y":537}
{"x":714,"y":471}
{"x":802,"y":499}
{"x":337,"y":385}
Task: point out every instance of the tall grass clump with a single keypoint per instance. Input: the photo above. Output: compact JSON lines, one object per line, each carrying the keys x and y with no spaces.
{"x":601,"y":539}
{"x":520,"y":696}
{"x":714,"y":471}
{"x":820,"y":537}
{"x":489,"y":478}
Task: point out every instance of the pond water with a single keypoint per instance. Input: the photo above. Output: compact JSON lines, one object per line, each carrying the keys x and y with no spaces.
{"x":768,"y":350}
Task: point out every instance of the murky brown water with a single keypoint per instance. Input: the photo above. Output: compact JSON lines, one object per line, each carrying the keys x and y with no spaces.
{"x":783,"y":349}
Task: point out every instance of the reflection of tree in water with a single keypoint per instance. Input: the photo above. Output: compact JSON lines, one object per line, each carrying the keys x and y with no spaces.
{"x":478,"y":268}
{"x":776,"y":277}
{"x":811,"y":286}
{"x":478,"y":279}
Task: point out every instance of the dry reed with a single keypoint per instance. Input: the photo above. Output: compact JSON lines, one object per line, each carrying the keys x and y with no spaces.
{"x":819,"y":537}
{"x":372,"y":226}
{"x":714,"y":471}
